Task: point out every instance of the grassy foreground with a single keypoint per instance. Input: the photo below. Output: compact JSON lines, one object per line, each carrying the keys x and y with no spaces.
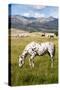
{"x":41,"y":73}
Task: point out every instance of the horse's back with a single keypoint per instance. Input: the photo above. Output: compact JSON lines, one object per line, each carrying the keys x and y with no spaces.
{"x":30,"y":45}
{"x":45,"y":45}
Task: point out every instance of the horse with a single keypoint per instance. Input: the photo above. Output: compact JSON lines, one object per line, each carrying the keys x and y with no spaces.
{"x":39,"y":49}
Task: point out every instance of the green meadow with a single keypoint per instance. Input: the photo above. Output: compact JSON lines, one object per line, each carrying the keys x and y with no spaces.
{"x":42,"y":72}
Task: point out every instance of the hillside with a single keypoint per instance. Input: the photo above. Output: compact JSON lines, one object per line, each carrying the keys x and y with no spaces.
{"x":31,"y":24}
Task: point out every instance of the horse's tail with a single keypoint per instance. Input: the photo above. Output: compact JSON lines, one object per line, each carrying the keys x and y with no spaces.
{"x":54,"y":51}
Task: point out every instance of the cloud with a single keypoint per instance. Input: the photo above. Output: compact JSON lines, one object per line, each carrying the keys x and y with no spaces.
{"x":26,"y":14}
{"x":34,"y":11}
{"x":39,"y":15}
{"x":38,"y":6}
{"x":33,"y":14}
{"x":54,"y":14}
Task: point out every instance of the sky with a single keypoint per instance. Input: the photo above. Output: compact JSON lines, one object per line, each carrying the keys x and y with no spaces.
{"x":33,"y":10}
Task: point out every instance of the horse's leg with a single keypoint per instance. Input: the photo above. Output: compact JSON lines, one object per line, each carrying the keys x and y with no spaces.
{"x":31,"y":61}
{"x":51,"y":60}
{"x":50,"y":51}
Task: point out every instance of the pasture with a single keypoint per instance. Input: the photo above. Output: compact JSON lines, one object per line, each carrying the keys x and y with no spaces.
{"x":41,"y":73}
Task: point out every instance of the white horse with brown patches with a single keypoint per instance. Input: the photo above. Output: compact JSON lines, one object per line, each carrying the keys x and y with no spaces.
{"x":34,"y":49}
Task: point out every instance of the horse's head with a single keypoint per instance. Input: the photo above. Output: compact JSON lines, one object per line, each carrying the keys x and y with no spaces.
{"x":21,"y":61}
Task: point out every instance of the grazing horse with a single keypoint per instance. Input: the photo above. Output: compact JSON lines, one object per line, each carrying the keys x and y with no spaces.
{"x":34,"y":49}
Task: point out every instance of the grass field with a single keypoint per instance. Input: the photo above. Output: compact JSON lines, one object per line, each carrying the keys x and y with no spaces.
{"x":41,"y":73}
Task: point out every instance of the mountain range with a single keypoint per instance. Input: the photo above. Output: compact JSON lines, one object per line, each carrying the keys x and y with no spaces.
{"x":32,"y":24}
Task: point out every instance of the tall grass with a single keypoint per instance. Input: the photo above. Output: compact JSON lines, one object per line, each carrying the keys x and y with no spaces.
{"x":41,"y":73}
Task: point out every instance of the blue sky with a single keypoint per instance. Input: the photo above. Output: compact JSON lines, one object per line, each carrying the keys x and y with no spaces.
{"x":34,"y":10}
